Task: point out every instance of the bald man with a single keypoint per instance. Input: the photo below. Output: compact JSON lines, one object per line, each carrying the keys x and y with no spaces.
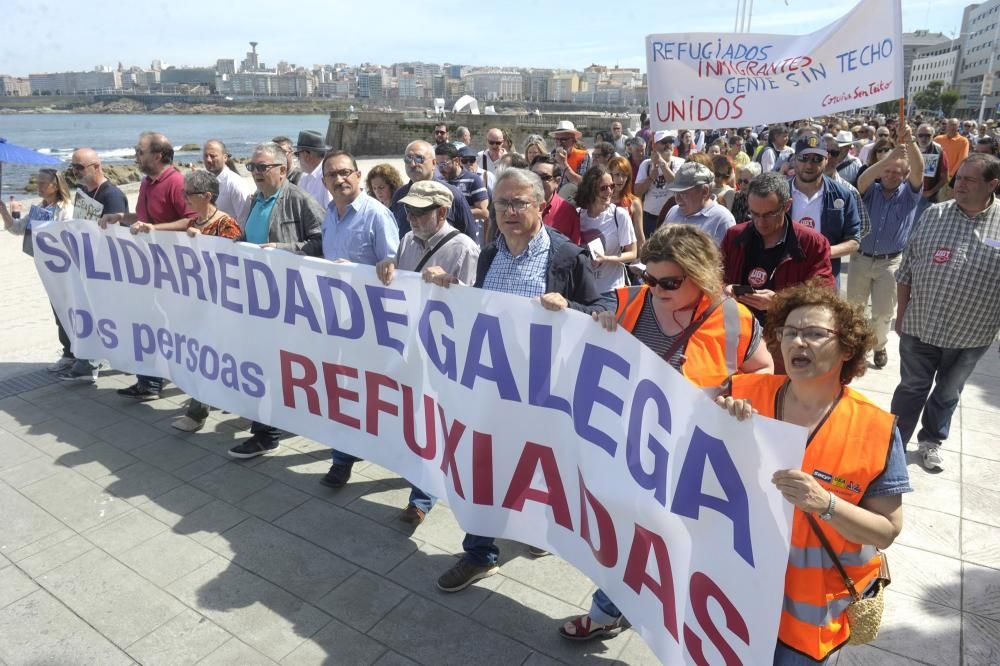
{"x":487,"y":159}
{"x":235,"y":191}
{"x":90,"y":176}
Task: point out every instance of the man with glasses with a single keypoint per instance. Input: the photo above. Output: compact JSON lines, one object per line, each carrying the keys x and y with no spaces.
{"x":655,"y":174}
{"x":948,"y":311}
{"x":467,"y":156}
{"x":573,"y":161}
{"x":692,"y":189}
{"x":443,"y":250}
{"x":736,"y":153}
{"x":418,"y":160}
{"x":768,"y":253}
{"x":86,"y":166}
{"x":876,"y":134}
{"x":820,"y":203}
{"x":618,"y":137}
{"x":530,"y":260}
{"x":488,"y":159}
{"x":891,"y":191}
{"x":440,"y":134}
{"x":838,"y":147}
{"x":282,"y":216}
{"x":557,"y":212}
{"x":935,"y":169}
{"x":294,"y":172}
{"x":309,"y":151}
{"x":451,"y":169}
{"x":954,"y":145}
{"x":161,"y":203}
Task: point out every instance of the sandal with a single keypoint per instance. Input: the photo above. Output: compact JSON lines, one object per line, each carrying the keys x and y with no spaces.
{"x":585,"y":629}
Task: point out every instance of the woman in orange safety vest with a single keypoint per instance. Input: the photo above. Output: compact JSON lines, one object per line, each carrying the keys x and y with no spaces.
{"x":681,"y":314}
{"x":853,"y":474}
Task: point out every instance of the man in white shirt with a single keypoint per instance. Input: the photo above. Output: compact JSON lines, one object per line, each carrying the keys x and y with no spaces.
{"x":310,"y":150}
{"x":234,"y":190}
{"x":692,"y":189}
{"x":618,"y":137}
{"x":487,"y":159}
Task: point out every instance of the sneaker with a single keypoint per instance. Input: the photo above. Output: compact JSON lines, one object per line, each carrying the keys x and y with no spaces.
{"x":464,"y":574}
{"x":64,"y":363}
{"x":187,"y":424}
{"x":930,"y":456}
{"x":881,"y":358}
{"x":253,"y":447}
{"x":337,"y":477}
{"x":412,"y":515}
{"x":81,"y":371}
{"x":139,"y":391}
{"x":535,"y":551}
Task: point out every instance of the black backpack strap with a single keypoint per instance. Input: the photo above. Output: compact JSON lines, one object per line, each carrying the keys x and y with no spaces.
{"x":434,"y":249}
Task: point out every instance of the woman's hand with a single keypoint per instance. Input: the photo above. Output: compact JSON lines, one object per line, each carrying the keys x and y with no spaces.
{"x":193,"y":231}
{"x":606,"y":319}
{"x":802,"y":490}
{"x":738,"y":407}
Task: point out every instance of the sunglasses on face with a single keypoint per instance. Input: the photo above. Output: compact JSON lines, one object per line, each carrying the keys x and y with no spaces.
{"x":810,"y":159}
{"x":495,"y":143}
{"x":253,"y":167}
{"x":667,"y":283}
{"x":414,"y":159}
{"x":545,"y":177}
{"x":468,"y":160}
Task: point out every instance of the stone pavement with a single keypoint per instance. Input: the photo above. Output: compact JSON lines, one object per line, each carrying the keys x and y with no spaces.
{"x":124,"y":541}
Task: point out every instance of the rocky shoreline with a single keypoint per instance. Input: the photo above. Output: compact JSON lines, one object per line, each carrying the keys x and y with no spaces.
{"x":130,"y":106}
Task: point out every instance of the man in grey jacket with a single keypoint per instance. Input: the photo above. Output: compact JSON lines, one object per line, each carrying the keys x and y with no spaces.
{"x":280,"y":215}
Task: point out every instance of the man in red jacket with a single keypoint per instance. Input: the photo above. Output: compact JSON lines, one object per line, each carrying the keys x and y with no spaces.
{"x":770,"y":252}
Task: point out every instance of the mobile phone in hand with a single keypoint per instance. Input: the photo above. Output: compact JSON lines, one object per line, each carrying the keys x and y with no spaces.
{"x":742,"y":290}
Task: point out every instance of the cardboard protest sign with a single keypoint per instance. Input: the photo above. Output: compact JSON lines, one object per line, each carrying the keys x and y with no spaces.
{"x":712,"y":80}
{"x":533,"y":425}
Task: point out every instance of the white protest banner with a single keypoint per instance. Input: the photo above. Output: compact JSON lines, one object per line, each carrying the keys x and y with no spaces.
{"x":712,"y":80}
{"x":535,"y":426}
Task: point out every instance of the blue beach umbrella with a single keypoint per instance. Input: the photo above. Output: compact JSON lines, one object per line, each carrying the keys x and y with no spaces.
{"x":15,"y":154}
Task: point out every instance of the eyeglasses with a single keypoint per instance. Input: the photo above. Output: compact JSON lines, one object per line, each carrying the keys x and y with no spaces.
{"x":768,"y":217}
{"x":719,"y":174}
{"x":440,"y":131}
{"x":254,"y":167}
{"x":515,"y":206}
{"x":923,"y":136}
{"x":667,"y":283}
{"x":883,"y":150}
{"x":414,"y":159}
{"x":468,"y":160}
{"x":813,"y":335}
{"x":495,"y":143}
{"x":545,"y":177}
{"x":342,"y":173}
{"x":606,"y":188}
{"x":833,"y":152}
{"x":414,"y":212}
{"x":189,"y":193}
{"x":81,"y":167}
{"x":566,"y":139}
{"x":811,"y":158}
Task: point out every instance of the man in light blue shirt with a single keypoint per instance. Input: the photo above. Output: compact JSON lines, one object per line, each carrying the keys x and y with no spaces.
{"x":692,"y":188}
{"x":356,"y":228}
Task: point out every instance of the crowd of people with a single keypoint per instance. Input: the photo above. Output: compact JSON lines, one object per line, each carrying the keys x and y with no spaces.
{"x":721,"y":251}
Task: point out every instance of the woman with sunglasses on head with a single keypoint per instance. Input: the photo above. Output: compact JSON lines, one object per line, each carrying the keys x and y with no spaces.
{"x":723,"y":190}
{"x":621,"y":175}
{"x":740,"y":209}
{"x":681,"y":314}
{"x":844,"y":514}
{"x":55,"y":205}
{"x":606,"y":228}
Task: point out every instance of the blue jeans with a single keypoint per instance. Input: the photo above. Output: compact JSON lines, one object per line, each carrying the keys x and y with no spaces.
{"x":343,"y":459}
{"x":649,"y":223}
{"x":922,"y":365}
{"x":422,"y":500}
{"x":480,"y":550}
{"x":784,"y":656}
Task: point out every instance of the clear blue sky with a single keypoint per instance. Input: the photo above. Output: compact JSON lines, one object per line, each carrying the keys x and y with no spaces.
{"x":42,"y":35}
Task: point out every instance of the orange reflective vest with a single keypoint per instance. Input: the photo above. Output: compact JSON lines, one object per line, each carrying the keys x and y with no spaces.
{"x":715,"y":351}
{"x":845,"y":454}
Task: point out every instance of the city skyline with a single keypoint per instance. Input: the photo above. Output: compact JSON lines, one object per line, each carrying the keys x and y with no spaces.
{"x":517,"y":35}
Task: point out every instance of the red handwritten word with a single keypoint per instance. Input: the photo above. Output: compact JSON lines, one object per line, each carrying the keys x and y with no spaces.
{"x":752,"y":67}
{"x":700,"y":109}
{"x":874,"y":88}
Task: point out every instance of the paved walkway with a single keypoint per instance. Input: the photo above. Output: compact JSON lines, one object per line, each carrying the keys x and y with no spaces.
{"x":123,"y":541}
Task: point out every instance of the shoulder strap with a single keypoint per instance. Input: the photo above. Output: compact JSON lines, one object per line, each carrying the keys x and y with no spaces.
{"x":686,"y":334}
{"x":848,"y":581}
{"x":434,"y":249}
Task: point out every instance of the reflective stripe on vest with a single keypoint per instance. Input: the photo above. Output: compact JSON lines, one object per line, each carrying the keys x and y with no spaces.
{"x":731,"y":322}
{"x":816,"y":557}
{"x":819,"y":616}
{"x":624,"y":311}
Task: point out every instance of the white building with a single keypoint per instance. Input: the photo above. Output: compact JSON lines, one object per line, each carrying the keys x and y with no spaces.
{"x":934,"y":63}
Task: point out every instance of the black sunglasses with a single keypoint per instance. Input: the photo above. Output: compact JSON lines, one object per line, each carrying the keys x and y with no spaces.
{"x":668,"y":283}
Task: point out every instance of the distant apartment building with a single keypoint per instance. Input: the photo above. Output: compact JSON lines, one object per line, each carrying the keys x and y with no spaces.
{"x":562,"y":86}
{"x":15,"y":86}
{"x":72,"y":83}
{"x":914,"y":42}
{"x":934,"y":63}
{"x":409,"y":87}
{"x":192,"y":76}
{"x":980,"y":32}
{"x":495,"y":85}
{"x":370,"y":85}
{"x":225,"y":66}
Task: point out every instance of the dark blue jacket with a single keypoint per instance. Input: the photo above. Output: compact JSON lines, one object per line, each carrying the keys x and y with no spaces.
{"x":840,"y":221}
{"x":459,"y":215}
{"x":570,"y":272}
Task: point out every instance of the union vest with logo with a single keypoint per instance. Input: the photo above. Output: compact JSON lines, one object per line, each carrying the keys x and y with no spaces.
{"x":716,"y":350}
{"x":847,"y":452}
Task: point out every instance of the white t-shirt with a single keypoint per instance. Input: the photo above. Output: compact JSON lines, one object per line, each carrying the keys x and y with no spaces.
{"x":657,"y":194}
{"x":808,"y":211}
{"x":610,"y":231}
{"x":313,"y":184}
{"x":234,"y":193}
{"x":485,"y":163}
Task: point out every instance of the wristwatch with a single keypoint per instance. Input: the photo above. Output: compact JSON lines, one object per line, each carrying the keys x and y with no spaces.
{"x":828,"y":514}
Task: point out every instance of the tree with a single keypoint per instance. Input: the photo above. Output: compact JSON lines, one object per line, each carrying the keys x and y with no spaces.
{"x":930,"y":97}
{"x":886,"y":108}
{"x":949,"y":98}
